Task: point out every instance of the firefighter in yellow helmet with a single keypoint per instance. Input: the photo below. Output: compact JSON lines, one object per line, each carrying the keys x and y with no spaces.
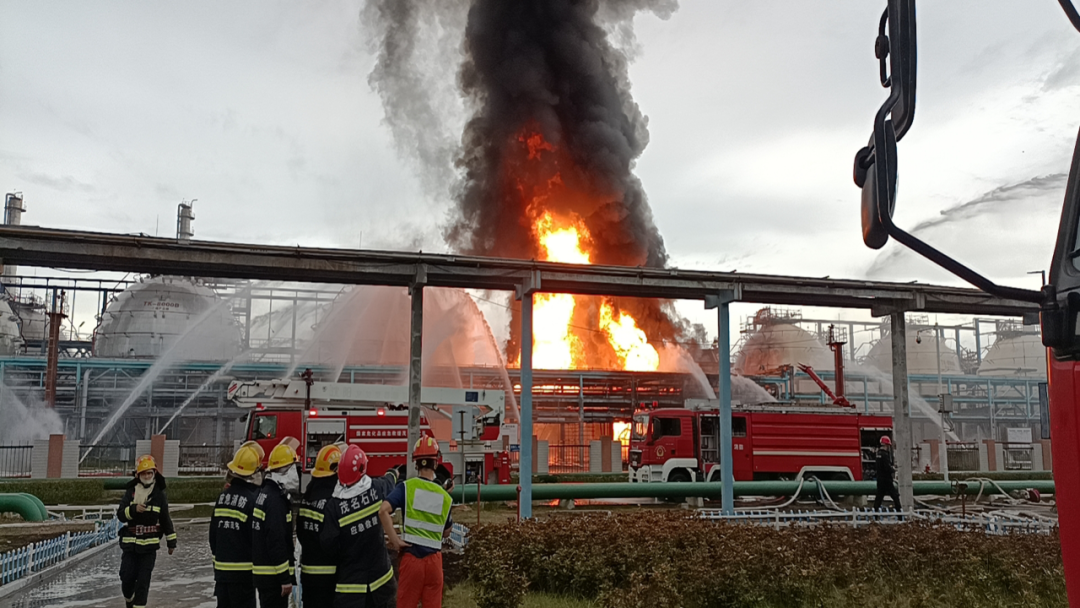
{"x":230,"y":530}
{"x":271,"y":529}
{"x":144,"y":511}
{"x":317,"y":569}
{"x":426,"y":521}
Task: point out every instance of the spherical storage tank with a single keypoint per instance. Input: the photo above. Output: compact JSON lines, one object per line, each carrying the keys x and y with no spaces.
{"x":10,"y":339}
{"x":168,"y":315}
{"x":1020,"y":356}
{"x":780,"y":344}
{"x":921,"y":355}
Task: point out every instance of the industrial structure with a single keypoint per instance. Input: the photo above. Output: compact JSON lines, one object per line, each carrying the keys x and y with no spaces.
{"x":168,"y":340}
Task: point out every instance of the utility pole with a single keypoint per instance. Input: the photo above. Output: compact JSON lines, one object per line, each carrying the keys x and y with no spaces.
{"x":943,"y":454}
{"x":901,"y":416}
{"x":56,"y":318}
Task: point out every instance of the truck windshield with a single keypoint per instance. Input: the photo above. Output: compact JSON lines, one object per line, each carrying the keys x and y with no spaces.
{"x":641,"y":426}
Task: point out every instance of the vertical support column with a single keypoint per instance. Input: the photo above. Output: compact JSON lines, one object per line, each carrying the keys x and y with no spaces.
{"x":416,"y":345}
{"x":581,"y":409}
{"x":901,"y":415}
{"x":525,"y":465}
{"x":721,"y":302}
{"x":84,"y":401}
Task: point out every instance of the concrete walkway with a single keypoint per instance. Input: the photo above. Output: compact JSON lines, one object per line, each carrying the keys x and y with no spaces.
{"x":184,"y":579}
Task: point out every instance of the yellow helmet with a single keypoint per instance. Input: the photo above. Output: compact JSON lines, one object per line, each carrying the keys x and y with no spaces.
{"x":145,"y":463}
{"x":325,"y":462}
{"x":258,"y":448}
{"x":246,"y":461}
{"x":283,"y":455}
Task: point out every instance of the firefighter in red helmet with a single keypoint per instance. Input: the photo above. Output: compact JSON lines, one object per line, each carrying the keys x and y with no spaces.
{"x":426,"y":507}
{"x":352,"y":537}
{"x":885,"y":468}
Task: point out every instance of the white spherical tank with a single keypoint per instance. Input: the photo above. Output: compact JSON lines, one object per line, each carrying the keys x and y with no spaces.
{"x":168,"y":315}
{"x":10,"y":338}
{"x":921,"y":354}
{"x":32,"y":320}
{"x":1020,"y":356}
{"x":780,"y":344}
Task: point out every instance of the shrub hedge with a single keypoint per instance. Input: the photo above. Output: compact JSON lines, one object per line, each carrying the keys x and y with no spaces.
{"x":89,"y":491}
{"x":668,"y":560}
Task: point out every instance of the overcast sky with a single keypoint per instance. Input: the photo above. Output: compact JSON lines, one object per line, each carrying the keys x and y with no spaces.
{"x":111,"y":113}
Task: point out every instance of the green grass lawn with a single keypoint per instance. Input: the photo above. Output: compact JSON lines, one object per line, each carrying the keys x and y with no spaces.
{"x":461,"y":596}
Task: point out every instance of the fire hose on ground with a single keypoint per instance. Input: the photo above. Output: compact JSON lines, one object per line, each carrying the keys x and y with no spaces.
{"x":805,"y":489}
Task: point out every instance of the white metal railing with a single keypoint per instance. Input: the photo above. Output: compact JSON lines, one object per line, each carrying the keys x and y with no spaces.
{"x":995,"y":522}
{"x":459,"y":536}
{"x":35,"y":557}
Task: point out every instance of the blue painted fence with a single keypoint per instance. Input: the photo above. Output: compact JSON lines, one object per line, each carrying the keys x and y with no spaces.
{"x":35,"y":557}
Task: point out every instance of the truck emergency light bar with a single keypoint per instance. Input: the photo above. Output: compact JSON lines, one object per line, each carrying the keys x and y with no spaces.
{"x":293,"y":393}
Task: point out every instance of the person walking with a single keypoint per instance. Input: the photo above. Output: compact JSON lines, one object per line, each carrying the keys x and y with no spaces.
{"x":317,"y":568}
{"x":885,"y":468}
{"x":230,"y":531}
{"x":352,"y":537}
{"x":426,"y":521}
{"x":272,"y":549}
{"x":144,"y":511}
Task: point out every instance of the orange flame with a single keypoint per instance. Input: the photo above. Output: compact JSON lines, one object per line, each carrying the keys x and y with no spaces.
{"x":630,"y":343}
{"x":559,"y":342}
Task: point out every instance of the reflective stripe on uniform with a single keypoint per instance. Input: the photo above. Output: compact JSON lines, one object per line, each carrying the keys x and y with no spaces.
{"x":259,"y":514}
{"x":233,"y":513}
{"x":232,"y":566}
{"x":153,"y":509}
{"x":139,"y":541}
{"x":313,"y":515}
{"x":356,"y":588}
{"x":270,"y":570}
{"x":305,"y":569}
{"x":361,"y":514}
{"x":127,"y":512}
{"x":288,"y":517}
{"x":171,"y":536}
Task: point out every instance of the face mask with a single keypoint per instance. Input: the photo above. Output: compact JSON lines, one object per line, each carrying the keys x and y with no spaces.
{"x":288,"y":479}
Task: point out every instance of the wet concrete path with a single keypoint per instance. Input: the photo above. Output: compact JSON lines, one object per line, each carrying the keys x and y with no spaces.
{"x":184,"y":579}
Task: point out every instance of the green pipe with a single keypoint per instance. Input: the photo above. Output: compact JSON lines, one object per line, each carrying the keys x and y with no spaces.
{"x":29,"y":507}
{"x":553,"y":491}
{"x":37,"y":501}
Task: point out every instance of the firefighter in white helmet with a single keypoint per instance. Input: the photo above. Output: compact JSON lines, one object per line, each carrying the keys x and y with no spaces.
{"x":230,"y":531}
{"x":272,"y":549}
{"x":427,"y":520}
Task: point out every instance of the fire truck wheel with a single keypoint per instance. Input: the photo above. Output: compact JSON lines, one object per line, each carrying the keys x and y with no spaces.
{"x":679,"y":476}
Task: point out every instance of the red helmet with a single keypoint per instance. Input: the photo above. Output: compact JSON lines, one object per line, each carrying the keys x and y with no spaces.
{"x":353,"y":465}
{"x":885,"y":440}
{"x":426,"y":447}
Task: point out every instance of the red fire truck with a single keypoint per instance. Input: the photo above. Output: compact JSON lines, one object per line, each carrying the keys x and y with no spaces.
{"x":376,"y":417}
{"x":777,"y":441}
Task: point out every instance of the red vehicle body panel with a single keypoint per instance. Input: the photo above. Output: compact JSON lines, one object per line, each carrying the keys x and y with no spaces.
{"x":383,"y":437}
{"x":765,"y":443}
{"x":1064,"y":394}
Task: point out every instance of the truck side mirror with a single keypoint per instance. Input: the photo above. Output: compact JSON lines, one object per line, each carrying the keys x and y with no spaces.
{"x":875,"y":173}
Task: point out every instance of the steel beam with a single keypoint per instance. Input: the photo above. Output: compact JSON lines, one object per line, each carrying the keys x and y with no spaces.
{"x":29,"y":246}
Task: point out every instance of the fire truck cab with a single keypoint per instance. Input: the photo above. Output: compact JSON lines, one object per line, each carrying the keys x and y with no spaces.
{"x":775,"y":441}
{"x":375,"y":417}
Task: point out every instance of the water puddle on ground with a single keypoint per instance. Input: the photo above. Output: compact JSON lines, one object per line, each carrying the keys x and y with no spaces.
{"x":184,"y":579}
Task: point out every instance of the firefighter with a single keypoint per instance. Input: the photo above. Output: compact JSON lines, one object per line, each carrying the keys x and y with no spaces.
{"x":426,"y":521}
{"x":885,"y":468}
{"x":272,"y":547}
{"x":352,"y":537}
{"x":144,"y":510}
{"x":230,"y":531}
{"x":316,"y":566}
